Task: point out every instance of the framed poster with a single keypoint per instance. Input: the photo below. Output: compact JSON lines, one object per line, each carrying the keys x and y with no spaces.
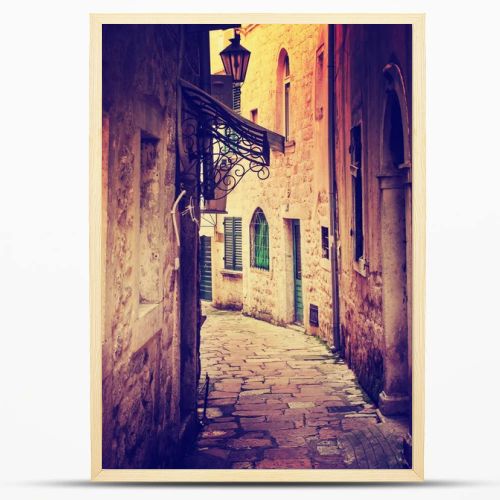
{"x":257,"y":247}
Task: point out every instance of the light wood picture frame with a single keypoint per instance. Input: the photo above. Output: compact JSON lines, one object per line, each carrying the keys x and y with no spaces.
{"x":98,"y":216}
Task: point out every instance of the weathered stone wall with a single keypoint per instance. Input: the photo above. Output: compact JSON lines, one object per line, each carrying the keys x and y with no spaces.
{"x":298,"y":185}
{"x":361,"y":53}
{"x":141,"y":353}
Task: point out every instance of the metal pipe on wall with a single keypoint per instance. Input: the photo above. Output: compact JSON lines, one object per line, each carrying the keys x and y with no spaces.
{"x":337,"y":346}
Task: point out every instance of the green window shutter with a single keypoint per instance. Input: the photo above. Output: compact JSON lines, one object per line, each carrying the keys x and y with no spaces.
{"x":228,"y":243}
{"x":232,"y":244}
{"x":237,"y":232}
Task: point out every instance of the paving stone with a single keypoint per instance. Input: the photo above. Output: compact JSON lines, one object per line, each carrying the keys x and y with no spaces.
{"x":214,"y":433}
{"x":254,"y":392}
{"x":248,"y":455}
{"x":221,"y":426}
{"x":301,"y":404}
{"x":257,"y":413}
{"x":289,"y":441}
{"x":213,"y":443}
{"x":349,"y":424}
{"x":284,"y":463}
{"x":279,"y":399}
{"x":284,"y":389}
{"x":255,"y":385}
{"x":267,"y":426}
{"x":222,"y":419}
{"x":284,"y":453}
{"x":217,"y":403}
{"x":242,"y":465}
{"x":328,"y":450}
{"x":252,"y":419}
{"x":268,"y":405}
{"x":328,"y":433}
{"x":248,"y":443}
{"x":214,"y":412}
{"x":217,"y":452}
{"x":277,"y":380}
{"x":227,"y":387}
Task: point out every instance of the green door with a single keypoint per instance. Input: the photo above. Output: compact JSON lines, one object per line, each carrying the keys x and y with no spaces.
{"x":297,"y":274}
{"x":205,"y":268}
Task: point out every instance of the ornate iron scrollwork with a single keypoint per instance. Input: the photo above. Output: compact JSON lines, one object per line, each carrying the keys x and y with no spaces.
{"x":218,"y":146}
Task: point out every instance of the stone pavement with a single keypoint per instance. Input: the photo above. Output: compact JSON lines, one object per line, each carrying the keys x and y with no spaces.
{"x":278,"y":398}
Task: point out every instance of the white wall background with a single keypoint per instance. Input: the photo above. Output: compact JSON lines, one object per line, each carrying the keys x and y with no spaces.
{"x":44,"y":353}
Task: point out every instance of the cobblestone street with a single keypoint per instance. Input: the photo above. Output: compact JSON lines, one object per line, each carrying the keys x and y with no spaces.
{"x":278,"y":398}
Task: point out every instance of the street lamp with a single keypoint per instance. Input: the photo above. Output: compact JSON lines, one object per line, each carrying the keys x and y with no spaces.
{"x":235,"y":59}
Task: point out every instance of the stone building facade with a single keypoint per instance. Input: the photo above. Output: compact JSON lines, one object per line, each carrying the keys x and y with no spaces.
{"x":324,"y":242}
{"x":159,"y":125}
{"x":296,"y":192}
{"x":373,"y":68}
{"x":345,"y":178}
{"x":149,"y":376}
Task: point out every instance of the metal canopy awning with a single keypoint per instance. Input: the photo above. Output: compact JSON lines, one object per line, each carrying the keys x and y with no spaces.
{"x":219,"y":146}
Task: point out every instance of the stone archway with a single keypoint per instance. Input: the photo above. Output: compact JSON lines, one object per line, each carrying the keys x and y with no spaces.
{"x":395,"y":186}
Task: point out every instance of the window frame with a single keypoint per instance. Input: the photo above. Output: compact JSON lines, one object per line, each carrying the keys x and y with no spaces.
{"x":259,"y":219}
{"x":325,"y":242}
{"x":286,"y":97}
{"x":358,"y":229}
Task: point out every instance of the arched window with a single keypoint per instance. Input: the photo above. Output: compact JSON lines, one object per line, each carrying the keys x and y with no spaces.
{"x":393,"y":145}
{"x":283,"y":95}
{"x":259,"y":239}
{"x":286,"y":93}
{"x":396,"y":138}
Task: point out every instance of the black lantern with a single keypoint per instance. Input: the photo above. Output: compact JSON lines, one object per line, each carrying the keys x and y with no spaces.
{"x":235,"y":59}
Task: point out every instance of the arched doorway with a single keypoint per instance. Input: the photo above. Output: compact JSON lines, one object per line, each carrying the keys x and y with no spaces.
{"x":395,"y":186}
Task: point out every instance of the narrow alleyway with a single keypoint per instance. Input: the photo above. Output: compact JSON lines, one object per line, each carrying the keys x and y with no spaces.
{"x":279,"y":399}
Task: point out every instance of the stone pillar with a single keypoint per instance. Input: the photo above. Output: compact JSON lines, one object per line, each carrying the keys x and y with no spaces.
{"x":394,"y":399}
{"x":407,"y":172}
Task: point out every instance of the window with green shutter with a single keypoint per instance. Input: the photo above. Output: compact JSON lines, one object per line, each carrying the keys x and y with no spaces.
{"x":259,"y":236}
{"x":232,"y":244}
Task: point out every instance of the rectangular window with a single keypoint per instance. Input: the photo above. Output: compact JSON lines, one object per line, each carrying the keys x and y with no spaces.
{"x":313,"y":315}
{"x":357,"y":192}
{"x":254,"y":115}
{"x":232,"y":244}
{"x":325,"y":251}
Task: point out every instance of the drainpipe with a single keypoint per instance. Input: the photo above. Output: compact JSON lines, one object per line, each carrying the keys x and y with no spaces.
{"x":332,"y":187}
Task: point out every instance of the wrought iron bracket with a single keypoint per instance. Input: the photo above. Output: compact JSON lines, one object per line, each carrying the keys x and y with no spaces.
{"x":218,"y":147}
